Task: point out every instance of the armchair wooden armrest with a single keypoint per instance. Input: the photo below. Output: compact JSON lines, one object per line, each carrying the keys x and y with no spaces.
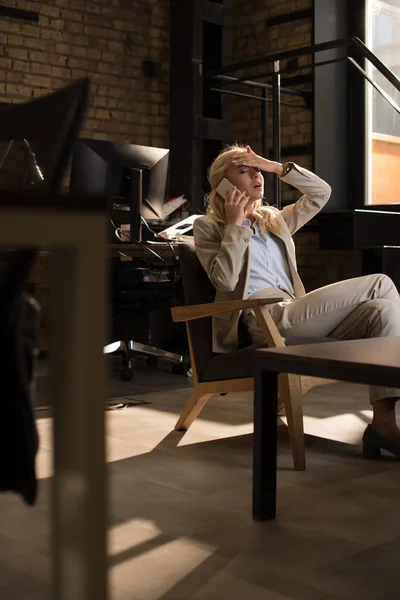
{"x":199,"y":311}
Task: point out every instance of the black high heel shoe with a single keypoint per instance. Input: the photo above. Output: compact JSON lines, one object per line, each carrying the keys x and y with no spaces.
{"x":373,"y":443}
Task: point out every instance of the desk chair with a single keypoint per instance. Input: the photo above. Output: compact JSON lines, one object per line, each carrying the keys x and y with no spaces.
{"x":232,"y":372}
{"x":131,"y":299}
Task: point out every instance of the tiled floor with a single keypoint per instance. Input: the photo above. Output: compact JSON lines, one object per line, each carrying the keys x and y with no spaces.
{"x":180,"y":505}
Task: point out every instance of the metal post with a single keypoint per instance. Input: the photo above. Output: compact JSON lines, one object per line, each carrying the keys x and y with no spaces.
{"x":276,"y":129}
{"x":265,"y":443}
{"x":264,"y":123}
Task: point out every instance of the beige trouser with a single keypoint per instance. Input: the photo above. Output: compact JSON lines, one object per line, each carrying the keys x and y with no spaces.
{"x":363,"y":307}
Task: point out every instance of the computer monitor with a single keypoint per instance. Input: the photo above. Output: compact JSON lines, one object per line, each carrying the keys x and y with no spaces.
{"x":36,"y":138}
{"x":132,"y":177}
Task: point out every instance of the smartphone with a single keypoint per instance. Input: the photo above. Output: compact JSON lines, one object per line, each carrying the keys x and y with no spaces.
{"x":225,"y":188}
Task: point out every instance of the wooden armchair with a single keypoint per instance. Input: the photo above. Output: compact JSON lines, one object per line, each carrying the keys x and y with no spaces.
{"x":232,"y":372}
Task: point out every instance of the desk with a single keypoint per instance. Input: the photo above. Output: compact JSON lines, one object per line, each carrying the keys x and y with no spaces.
{"x":138,"y":251}
{"x":137,"y":248}
{"x":154,"y":289}
{"x":371,"y":361}
{"x":76,"y":235}
{"x":134,"y":252}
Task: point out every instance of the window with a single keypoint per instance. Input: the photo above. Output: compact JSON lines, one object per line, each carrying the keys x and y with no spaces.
{"x":385,"y":44}
{"x":383,"y":149}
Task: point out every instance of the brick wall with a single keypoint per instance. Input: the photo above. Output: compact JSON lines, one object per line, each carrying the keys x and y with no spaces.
{"x":106,"y":40}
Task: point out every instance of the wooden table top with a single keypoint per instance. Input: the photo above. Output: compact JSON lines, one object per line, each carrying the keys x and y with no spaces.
{"x":371,"y":361}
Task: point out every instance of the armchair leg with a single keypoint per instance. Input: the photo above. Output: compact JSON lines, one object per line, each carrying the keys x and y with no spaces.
{"x":290,"y":388}
{"x":193,"y":408}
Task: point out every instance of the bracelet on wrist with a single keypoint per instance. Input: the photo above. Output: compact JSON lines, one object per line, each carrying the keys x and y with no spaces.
{"x":286,"y":168}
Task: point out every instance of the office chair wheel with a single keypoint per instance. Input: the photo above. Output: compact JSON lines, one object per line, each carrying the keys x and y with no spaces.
{"x":179,"y":369}
{"x":152,"y":361}
{"x":126,"y":374}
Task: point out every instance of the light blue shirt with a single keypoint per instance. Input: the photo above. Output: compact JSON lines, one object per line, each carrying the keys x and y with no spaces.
{"x":268,"y":262}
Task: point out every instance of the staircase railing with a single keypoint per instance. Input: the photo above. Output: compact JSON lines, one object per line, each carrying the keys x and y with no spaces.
{"x":224,"y":79}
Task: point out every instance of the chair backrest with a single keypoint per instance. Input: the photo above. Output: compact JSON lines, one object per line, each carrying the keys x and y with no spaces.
{"x":197,"y":289}
{"x":36,"y":138}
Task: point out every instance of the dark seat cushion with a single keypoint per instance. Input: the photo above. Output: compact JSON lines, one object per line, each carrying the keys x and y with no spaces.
{"x":239,"y":364}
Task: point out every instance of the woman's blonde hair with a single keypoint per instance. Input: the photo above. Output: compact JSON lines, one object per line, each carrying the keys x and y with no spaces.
{"x":265,"y":215}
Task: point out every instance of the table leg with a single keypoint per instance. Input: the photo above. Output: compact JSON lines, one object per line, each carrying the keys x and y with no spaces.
{"x":78,"y":391}
{"x":265,"y":445}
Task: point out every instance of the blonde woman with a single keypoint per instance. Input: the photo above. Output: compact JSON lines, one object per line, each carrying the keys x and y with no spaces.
{"x":247,"y":249}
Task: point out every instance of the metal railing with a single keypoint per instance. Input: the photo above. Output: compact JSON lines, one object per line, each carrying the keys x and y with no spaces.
{"x":225,"y":80}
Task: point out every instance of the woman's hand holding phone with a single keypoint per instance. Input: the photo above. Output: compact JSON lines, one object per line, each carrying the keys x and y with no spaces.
{"x":235,"y":205}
